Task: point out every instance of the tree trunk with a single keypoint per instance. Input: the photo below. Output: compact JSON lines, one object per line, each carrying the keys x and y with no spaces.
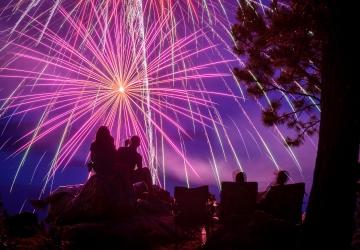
{"x":329,"y":218}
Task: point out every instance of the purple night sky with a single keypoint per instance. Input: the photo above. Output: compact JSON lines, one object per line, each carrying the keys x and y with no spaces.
{"x":253,"y":155}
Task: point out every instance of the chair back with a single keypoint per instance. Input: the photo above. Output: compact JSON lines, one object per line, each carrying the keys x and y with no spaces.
{"x":238,"y":200}
{"x":285,"y":202}
{"x":191,"y":205}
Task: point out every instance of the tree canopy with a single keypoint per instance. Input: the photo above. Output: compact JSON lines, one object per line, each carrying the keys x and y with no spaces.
{"x":280,"y":45}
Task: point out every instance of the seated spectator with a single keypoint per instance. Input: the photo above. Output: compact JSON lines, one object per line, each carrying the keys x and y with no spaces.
{"x":283,"y":201}
{"x":131,"y":160}
{"x":282,"y":177}
{"x":240,"y":177}
{"x":101,"y":197}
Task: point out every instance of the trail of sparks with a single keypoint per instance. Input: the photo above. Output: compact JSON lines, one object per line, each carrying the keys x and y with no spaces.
{"x":95,"y":76}
{"x":126,"y":65}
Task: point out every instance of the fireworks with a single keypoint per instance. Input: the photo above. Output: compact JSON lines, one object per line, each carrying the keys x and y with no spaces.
{"x":125,"y":64}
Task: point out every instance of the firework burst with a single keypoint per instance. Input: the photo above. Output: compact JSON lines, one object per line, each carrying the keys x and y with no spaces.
{"x":81,"y":76}
{"x":139,"y":67}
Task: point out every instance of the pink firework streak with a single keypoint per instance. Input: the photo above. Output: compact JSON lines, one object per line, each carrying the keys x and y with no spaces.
{"x":128,"y":64}
{"x":90,"y":72}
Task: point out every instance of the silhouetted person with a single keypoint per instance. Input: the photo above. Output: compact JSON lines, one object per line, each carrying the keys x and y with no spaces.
{"x":282,"y":200}
{"x":102,"y":156}
{"x":128,"y":155}
{"x":240,"y":177}
{"x":281,"y":179}
{"x":100,"y":197}
{"x":129,"y":158}
{"x":102,"y":152}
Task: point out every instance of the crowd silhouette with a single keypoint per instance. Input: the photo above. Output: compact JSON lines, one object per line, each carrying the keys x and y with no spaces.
{"x":116,"y":177}
{"x":118,"y":181}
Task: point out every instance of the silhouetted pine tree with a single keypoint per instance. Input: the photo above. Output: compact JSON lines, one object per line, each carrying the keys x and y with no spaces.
{"x":306,"y":50}
{"x":281,"y":45}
